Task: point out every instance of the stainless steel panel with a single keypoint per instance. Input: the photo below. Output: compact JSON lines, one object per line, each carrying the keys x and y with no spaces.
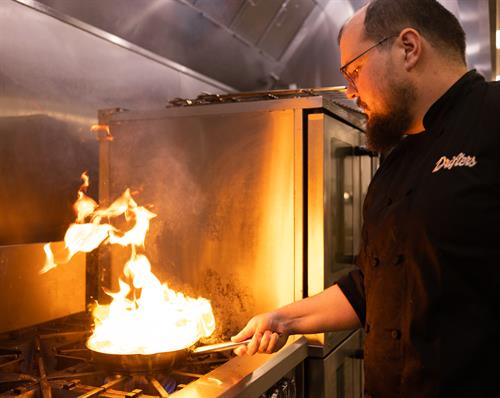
{"x":247,"y":377}
{"x":55,"y":73}
{"x":339,"y":374}
{"x":41,"y":159}
{"x":223,"y":186}
{"x":313,"y":59}
{"x":48,"y":102}
{"x":50,"y":94}
{"x":322,"y":3}
{"x":330,"y":214}
{"x":316,"y":245}
{"x":285,"y":26}
{"x":221,"y":10}
{"x":28,"y":298}
{"x":254,"y":18}
{"x":181,"y":32}
{"x":299,"y":205}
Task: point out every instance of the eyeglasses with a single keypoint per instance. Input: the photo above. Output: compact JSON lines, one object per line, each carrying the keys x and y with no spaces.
{"x":351,"y":77}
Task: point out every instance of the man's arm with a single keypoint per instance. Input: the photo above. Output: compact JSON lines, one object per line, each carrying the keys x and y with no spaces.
{"x":326,"y":311}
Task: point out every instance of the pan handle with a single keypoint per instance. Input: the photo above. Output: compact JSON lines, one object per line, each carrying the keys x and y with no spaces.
{"x":206,"y":349}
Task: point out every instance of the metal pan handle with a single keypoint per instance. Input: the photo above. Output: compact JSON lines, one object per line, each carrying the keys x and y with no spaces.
{"x":219,"y":347}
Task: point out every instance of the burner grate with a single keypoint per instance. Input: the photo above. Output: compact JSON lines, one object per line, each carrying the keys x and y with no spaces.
{"x":52,"y":361}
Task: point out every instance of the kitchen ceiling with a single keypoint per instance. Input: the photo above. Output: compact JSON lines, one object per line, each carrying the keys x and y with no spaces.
{"x":257,"y":44}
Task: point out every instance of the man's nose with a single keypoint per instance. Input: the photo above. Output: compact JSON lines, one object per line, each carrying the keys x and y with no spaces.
{"x":351,"y":92}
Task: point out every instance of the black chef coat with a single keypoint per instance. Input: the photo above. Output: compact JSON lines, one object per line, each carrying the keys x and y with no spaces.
{"x":427,"y":288}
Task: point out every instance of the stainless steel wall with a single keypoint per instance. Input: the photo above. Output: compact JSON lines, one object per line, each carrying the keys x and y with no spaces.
{"x":54,"y":76}
{"x":55,"y":73}
{"x":28,"y":298}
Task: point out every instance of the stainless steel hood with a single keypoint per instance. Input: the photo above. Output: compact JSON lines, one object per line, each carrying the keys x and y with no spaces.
{"x":256,"y":44}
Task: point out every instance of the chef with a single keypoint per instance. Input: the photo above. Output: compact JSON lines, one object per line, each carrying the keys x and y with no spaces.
{"x":427,"y":289}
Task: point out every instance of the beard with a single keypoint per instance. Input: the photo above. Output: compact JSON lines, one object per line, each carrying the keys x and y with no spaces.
{"x":384,"y":131}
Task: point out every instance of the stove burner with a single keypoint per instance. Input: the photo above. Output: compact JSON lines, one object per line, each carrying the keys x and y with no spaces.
{"x":169,"y":384}
{"x":52,"y":361}
{"x":10,"y":360}
{"x":161,"y":385}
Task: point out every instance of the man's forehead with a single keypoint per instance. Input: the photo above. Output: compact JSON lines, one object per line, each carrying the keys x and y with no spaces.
{"x":353,"y":32}
{"x":354,"y":27}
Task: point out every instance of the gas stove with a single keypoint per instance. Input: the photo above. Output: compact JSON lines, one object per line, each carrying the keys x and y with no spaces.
{"x":51,"y":360}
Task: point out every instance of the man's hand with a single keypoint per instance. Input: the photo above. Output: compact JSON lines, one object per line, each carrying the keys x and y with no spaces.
{"x":326,"y":311}
{"x":266,"y":333}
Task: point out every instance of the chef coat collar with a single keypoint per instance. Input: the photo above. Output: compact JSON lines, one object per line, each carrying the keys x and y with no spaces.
{"x":440,"y":108}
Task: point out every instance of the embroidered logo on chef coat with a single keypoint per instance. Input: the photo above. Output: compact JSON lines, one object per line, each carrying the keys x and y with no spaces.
{"x":460,"y":160}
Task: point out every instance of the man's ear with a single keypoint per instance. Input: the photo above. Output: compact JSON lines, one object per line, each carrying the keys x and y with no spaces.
{"x":411,"y":45}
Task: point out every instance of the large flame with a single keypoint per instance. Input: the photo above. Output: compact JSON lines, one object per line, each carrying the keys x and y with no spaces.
{"x":145,"y":316}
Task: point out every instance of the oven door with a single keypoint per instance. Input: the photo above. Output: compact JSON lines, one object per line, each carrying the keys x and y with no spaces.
{"x":334,"y":199}
{"x":340,"y":373}
{"x":337,"y":177}
{"x":338,"y":174}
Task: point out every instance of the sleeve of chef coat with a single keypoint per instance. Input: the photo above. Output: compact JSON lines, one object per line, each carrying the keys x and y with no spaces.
{"x":352,"y":285}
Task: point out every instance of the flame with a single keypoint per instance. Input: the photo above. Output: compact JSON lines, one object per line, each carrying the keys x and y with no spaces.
{"x":49,"y":259}
{"x":145,"y":316}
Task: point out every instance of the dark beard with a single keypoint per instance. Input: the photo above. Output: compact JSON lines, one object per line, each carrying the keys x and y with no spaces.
{"x":384,"y":131}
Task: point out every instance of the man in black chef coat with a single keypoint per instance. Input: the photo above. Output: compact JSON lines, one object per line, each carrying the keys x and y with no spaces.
{"x":427,"y":288}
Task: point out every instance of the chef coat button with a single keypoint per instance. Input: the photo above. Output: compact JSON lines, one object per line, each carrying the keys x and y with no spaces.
{"x":375,"y":261}
{"x":396,"y":334}
{"x":399,"y":259}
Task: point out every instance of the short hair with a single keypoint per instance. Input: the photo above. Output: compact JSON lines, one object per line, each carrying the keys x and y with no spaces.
{"x":433,"y":21}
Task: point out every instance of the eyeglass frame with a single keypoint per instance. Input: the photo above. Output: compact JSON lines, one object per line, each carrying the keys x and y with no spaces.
{"x":343,"y":68}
